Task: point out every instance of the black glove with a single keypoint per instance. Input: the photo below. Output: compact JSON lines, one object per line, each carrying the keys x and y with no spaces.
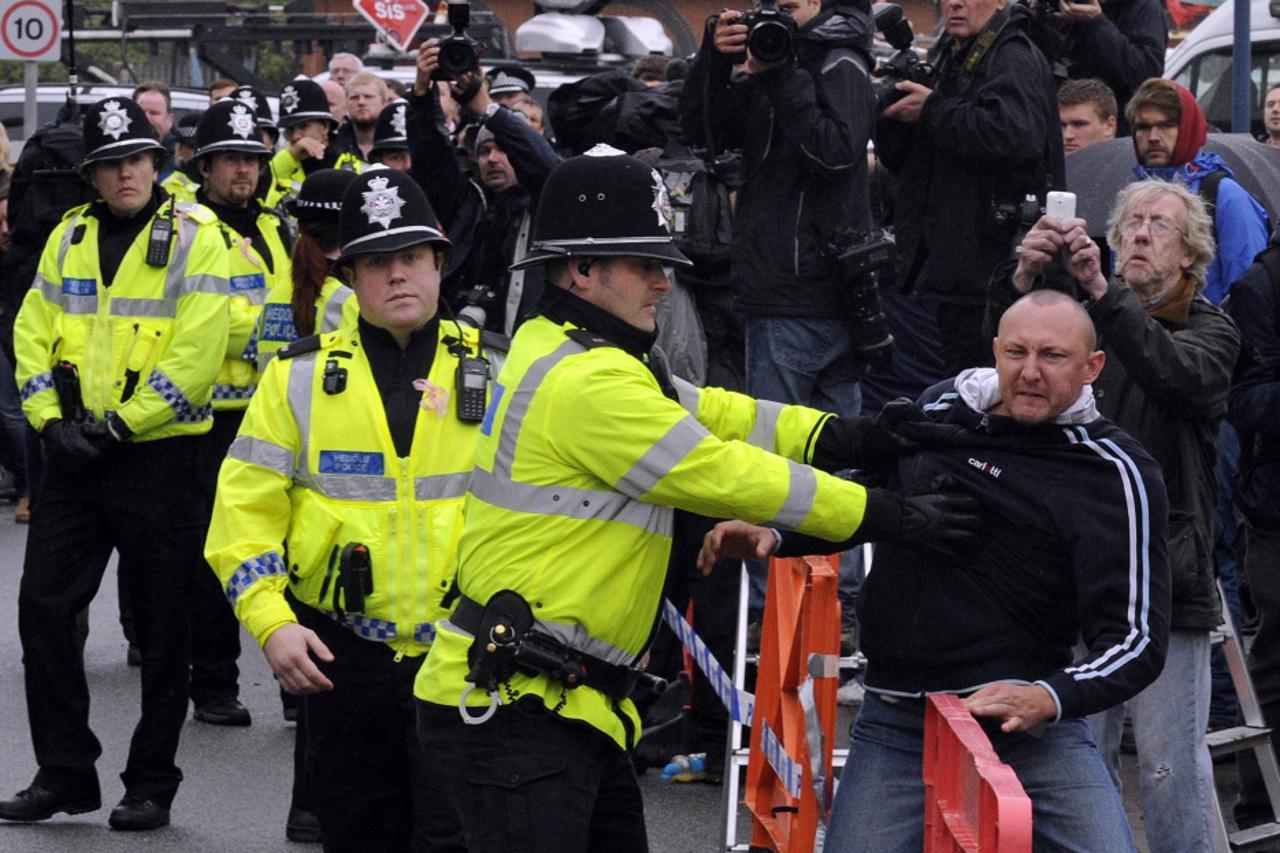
{"x":940,"y":519}
{"x":77,"y":444}
{"x":859,"y":442}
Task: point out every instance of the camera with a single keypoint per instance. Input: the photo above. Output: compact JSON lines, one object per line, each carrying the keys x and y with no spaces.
{"x":473,"y":312}
{"x":769,"y":32}
{"x":861,"y":255}
{"x":903,"y":65}
{"x":459,"y":52}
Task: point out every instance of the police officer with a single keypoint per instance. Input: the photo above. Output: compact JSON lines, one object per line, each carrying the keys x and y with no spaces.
{"x":391,"y":138}
{"x":231,"y":158}
{"x":184,"y":180}
{"x":308,"y":126}
{"x":118,"y":343}
{"x":354,"y":455}
{"x":311,"y":299}
{"x":587,"y":449}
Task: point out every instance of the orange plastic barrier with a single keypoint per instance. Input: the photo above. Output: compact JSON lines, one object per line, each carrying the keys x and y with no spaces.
{"x":800,"y":639}
{"x":973,"y":802}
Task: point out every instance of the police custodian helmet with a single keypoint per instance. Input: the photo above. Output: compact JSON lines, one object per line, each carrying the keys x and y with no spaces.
{"x":391,"y":133}
{"x":303,"y":101}
{"x":384,"y":211}
{"x":603,"y":204}
{"x":229,"y":125}
{"x":257,"y":103}
{"x":116,"y":128}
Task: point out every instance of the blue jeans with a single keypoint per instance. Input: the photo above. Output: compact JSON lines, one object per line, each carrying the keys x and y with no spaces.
{"x":1176,"y":773}
{"x":808,"y":361}
{"x":879,"y":805}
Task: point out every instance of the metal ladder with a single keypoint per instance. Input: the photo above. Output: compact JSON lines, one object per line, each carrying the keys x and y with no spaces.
{"x":1253,"y":734}
{"x":738,"y":753}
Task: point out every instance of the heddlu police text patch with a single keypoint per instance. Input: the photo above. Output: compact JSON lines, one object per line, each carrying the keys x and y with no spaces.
{"x":351,"y":462}
{"x":252,"y":281}
{"x":80,"y":286}
{"x":277,"y":323}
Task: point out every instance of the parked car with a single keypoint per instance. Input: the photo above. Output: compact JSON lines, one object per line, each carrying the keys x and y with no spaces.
{"x":51,"y":96}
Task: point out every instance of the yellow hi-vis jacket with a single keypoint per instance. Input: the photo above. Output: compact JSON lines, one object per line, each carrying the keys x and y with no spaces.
{"x":580,"y":462}
{"x":147,"y":347}
{"x":250,"y":281}
{"x":287,"y":174}
{"x":180,"y":186}
{"x":318,"y":471}
{"x":336,"y":307}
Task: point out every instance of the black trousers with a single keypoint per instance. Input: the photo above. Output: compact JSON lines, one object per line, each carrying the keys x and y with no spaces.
{"x":215,"y":631}
{"x":528,"y":781}
{"x":371,"y":789}
{"x":142,"y":500}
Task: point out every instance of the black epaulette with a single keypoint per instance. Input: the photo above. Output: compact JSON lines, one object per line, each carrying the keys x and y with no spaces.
{"x":301,"y":346}
{"x":590,"y":340}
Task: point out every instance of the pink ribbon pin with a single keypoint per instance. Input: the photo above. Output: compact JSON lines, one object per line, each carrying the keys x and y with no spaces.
{"x":434,"y":398}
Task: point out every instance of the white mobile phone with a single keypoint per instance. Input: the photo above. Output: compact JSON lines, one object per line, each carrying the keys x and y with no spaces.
{"x":1061,"y":205}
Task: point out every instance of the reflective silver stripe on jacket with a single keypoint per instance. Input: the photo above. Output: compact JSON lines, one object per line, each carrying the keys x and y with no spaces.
{"x":568,"y":502}
{"x":332,"y":318}
{"x":263,"y":453}
{"x":688,"y":394}
{"x":128,"y":306}
{"x":441,"y":486}
{"x":70,"y":303}
{"x":665,"y":454}
{"x":764,"y":433}
{"x":800,"y":496}
{"x":498,"y":487}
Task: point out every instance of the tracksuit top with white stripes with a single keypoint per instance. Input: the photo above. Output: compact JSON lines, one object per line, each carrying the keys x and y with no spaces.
{"x":1074,"y":545}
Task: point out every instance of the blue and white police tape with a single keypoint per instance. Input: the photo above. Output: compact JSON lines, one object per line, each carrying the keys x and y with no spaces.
{"x":741,"y":704}
{"x":787,"y":768}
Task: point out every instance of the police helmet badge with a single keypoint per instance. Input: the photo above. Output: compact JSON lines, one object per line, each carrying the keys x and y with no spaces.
{"x":242,"y":122}
{"x":398,"y":121}
{"x":289,"y":99}
{"x":382,"y":204}
{"x":662,"y":202}
{"x":114,"y":120}
{"x":246,"y":97}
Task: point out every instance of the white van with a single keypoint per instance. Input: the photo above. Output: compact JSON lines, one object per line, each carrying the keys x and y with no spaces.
{"x":1202,"y":62}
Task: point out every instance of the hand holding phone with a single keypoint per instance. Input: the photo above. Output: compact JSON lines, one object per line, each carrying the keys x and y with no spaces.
{"x":1061,"y":205}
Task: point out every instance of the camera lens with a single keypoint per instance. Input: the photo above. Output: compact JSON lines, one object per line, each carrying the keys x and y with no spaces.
{"x":457,"y":57}
{"x":770,"y":42}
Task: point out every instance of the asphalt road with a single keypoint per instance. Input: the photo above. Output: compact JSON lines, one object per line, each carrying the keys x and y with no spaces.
{"x":236,"y":792}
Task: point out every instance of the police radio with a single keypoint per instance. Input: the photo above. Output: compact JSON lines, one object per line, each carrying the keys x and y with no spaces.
{"x":158,"y":240}
{"x":472,"y":388}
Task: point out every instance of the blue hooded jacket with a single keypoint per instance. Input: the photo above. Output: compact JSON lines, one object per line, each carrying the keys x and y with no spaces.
{"x":1240,"y":222}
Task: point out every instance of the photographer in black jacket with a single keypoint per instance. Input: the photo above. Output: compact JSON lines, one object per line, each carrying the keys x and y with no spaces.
{"x":803,"y":124}
{"x":1120,"y":42}
{"x":967,"y":152}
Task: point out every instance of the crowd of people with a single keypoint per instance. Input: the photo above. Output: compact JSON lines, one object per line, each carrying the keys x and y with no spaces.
{"x":438,"y":391}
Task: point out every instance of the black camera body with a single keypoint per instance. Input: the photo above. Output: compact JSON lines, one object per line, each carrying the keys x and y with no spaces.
{"x":861,"y":255}
{"x":769,"y":31}
{"x":459,"y":52}
{"x":903,"y":65}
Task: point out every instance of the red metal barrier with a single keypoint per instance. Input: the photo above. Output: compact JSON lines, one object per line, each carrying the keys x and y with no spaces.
{"x":974,"y":803}
{"x":800,"y":638}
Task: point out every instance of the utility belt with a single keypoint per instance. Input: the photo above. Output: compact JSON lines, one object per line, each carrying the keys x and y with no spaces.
{"x":507,"y":641}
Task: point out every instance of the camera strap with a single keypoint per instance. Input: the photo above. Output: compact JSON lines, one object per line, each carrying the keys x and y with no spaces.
{"x":984,"y":40}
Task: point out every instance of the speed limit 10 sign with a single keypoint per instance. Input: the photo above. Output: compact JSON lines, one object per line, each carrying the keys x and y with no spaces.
{"x":30,"y":30}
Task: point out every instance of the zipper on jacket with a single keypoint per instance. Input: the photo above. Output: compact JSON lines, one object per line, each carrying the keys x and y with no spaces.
{"x":796,"y":235}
